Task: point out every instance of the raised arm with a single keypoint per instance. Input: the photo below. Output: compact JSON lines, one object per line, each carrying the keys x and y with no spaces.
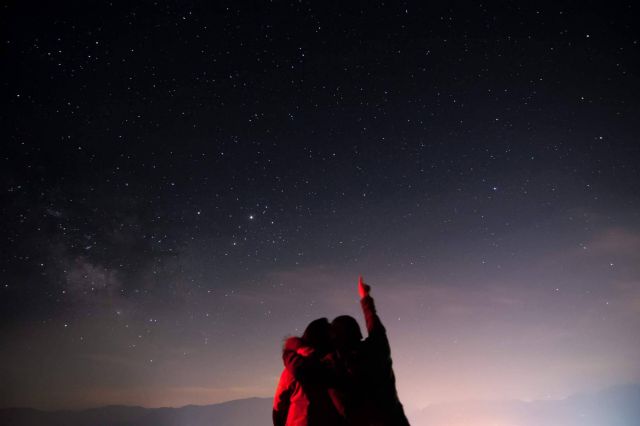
{"x":376,"y":331}
{"x":374,"y":325}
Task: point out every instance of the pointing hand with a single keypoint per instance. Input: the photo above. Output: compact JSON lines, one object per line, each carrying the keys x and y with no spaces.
{"x":363,"y":288}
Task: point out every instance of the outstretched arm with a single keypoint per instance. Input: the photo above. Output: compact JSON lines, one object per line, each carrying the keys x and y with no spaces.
{"x":304,"y":366}
{"x":374,"y":325}
{"x":376,"y":331}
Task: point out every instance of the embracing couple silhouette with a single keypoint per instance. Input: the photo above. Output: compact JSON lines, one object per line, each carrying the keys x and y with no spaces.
{"x":332,"y":376}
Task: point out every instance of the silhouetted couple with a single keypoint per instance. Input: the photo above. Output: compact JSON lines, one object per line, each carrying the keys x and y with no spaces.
{"x":334,"y":377}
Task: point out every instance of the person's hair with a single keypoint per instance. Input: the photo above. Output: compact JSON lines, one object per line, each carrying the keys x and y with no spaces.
{"x":317,"y":334}
{"x":346,"y":331}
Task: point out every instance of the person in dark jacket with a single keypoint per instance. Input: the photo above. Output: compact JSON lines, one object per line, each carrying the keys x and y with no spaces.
{"x":302,"y":397}
{"x":366,"y":396}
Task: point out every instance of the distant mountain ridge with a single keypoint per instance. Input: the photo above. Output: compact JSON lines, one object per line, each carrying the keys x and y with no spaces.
{"x":242,"y":412}
{"x":617,"y":406}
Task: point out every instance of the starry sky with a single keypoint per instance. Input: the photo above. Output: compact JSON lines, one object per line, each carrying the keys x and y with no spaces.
{"x":187,"y":183}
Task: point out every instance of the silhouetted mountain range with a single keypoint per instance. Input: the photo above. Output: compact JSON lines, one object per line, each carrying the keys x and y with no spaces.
{"x":618,"y":406}
{"x":242,"y":412}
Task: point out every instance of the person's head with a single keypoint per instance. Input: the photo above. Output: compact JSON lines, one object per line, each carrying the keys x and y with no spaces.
{"x":345,"y":332}
{"x":318,"y":335}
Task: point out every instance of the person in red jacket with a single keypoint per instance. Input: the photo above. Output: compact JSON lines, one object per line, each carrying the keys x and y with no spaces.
{"x":367,"y":393}
{"x":302,"y":397}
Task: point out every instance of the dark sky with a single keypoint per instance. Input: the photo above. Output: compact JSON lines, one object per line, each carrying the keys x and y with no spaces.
{"x":186,"y":183}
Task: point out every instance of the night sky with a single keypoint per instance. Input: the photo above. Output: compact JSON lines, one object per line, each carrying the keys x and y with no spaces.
{"x":184,"y":184}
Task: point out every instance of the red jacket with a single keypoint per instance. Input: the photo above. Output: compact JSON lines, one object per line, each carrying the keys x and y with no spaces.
{"x":302,"y":397}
